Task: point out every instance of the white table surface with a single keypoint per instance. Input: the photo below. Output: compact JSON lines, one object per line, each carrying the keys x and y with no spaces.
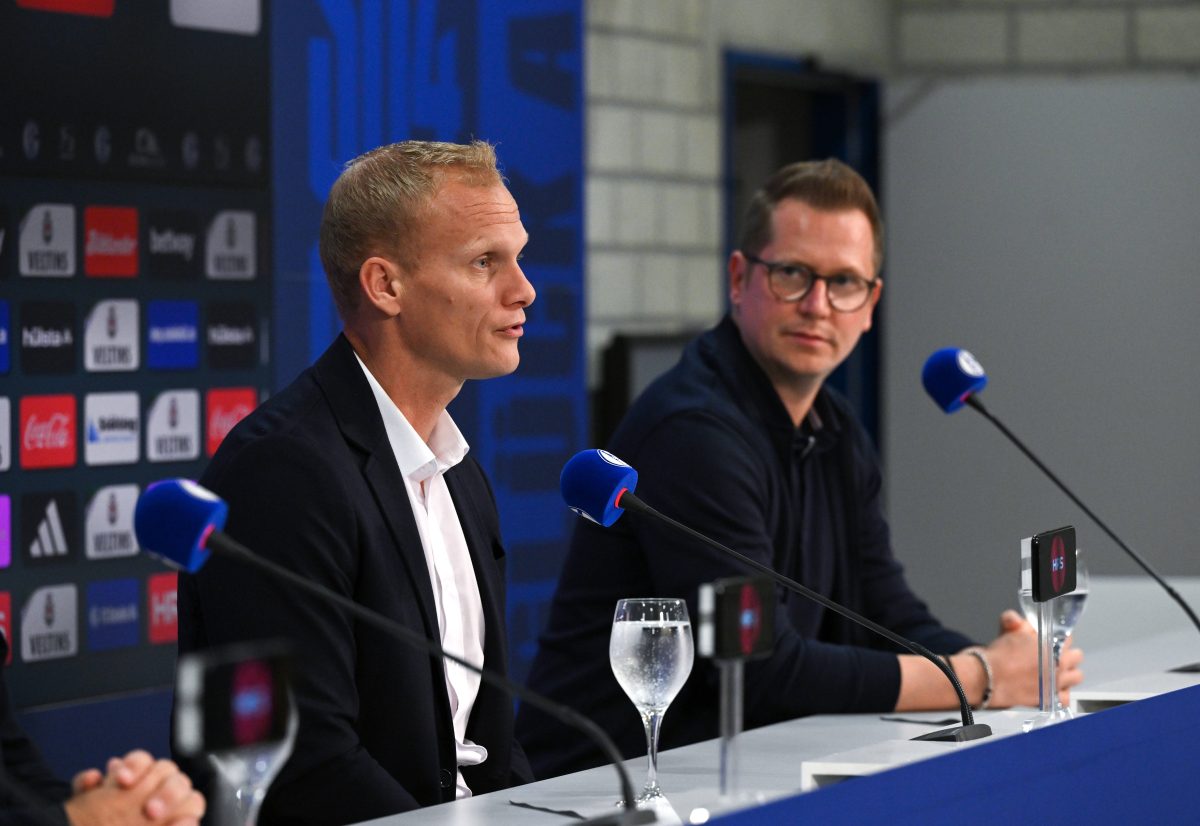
{"x":1131,"y":633}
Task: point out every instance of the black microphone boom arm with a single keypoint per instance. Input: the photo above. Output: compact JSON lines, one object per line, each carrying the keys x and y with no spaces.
{"x":223,"y":544}
{"x":975,"y":403}
{"x":969,"y":730}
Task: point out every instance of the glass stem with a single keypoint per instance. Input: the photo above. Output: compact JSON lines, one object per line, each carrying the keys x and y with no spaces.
{"x":1047,"y":673}
{"x":1059,"y":641}
{"x":652,"y":720}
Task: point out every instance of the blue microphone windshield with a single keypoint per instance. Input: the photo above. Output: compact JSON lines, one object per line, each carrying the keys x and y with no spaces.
{"x":951,"y":375}
{"x":591,"y":482}
{"x":174,"y":517}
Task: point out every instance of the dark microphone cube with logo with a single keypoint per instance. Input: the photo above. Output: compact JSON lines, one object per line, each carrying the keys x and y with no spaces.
{"x":233,"y":698}
{"x":737,"y":618}
{"x":1052,"y":563}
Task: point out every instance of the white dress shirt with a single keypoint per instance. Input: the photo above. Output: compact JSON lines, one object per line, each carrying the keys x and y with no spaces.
{"x":455,"y":590}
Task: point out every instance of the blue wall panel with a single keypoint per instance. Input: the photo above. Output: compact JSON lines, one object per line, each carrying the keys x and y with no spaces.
{"x":349,"y":76}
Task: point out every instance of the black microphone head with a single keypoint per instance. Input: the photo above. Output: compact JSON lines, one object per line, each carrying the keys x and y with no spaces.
{"x":174,"y":517}
{"x":950,"y":376}
{"x":592,"y":482}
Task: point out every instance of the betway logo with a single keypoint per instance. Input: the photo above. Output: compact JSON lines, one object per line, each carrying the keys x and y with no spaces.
{"x":170,"y":242}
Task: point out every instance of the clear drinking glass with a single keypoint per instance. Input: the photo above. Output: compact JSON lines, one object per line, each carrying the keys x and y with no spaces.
{"x":651,"y":655}
{"x":1067,"y":610}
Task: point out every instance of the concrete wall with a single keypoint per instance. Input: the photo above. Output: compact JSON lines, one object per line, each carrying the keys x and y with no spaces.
{"x":1040,"y":167}
{"x":654,"y":88}
{"x":1049,"y":226}
{"x":937,"y":37}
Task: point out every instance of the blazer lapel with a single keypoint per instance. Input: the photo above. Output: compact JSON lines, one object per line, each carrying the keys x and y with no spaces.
{"x":483,"y":559}
{"x":491,"y":723}
{"x":353,"y":404}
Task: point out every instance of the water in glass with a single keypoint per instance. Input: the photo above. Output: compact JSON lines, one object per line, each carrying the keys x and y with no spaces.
{"x":651,"y":654}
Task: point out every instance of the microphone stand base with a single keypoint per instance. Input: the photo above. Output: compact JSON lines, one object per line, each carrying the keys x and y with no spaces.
{"x":958,"y":734}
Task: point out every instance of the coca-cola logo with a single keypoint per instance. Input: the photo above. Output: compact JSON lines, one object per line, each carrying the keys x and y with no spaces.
{"x":54,"y":432}
{"x":47,"y":431}
{"x":224,"y":420}
{"x":227,"y":407}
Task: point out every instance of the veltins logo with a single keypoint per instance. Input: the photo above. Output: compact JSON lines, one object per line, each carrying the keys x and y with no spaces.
{"x":47,"y":431}
{"x":170,"y":239}
{"x":161,"y":598}
{"x":110,"y":242}
{"x":5,"y":531}
{"x":49,"y":629}
{"x":111,"y":336}
{"x":6,"y":624}
{"x":113,"y":615}
{"x":172,"y":335}
{"x":48,"y":337}
{"x":108,"y":524}
{"x":173,"y":427}
{"x":47,"y":241}
{"x":232,"y":343}
{"x":49,"y":526}
{"x":5,"y":334}
{"x":5,"y":434}
{"x":226,"y":407}
{"x":231,"y":246}
{"x":112,"y":428}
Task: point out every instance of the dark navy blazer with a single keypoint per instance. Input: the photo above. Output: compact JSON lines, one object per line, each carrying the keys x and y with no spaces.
{"x":313,"y":485}
{"x":716,"y":449}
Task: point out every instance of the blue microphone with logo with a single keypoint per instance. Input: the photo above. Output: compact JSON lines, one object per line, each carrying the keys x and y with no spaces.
{"x":599,"y":486}
{"x":594,"y":483}
{"x":952,"y":377}
{"x":174,"y":520}
{"x":181,"y":523}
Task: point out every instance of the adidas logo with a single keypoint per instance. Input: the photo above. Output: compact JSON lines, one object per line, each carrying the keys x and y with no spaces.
{"x":50,"y":540}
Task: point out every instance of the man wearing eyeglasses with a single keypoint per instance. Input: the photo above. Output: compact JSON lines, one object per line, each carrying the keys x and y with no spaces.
{"x":742,"y":441}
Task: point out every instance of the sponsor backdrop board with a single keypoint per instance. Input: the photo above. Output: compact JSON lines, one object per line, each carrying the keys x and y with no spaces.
{"x":159,"y":205}
{"x":135,"y":312}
